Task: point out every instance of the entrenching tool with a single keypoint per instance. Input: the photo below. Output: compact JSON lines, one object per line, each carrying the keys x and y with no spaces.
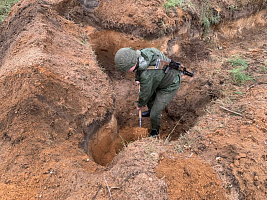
{"x":140,"y":113}
{"x":140,"y":118}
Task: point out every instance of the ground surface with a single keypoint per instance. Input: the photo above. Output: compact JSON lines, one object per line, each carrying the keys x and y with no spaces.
{"x":68,"y":124}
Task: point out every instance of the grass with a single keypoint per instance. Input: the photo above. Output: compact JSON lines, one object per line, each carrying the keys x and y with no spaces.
{"x":180,"y":3}
{"x":237,"y":61}
{"x":184,"y":142}
{"x":5,"y":7}
{"x":239,"y":76}
{"x":206,"y":23}
{"x":238,"y":92}
{"x":263,"y":68}
{"x":208,"y":17}
{"x":238,"y":72}
{"x":172,"y":3}
{"x":232,"y":7}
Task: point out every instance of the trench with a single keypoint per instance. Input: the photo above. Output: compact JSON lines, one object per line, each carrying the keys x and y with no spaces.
{"x":103,"y":141}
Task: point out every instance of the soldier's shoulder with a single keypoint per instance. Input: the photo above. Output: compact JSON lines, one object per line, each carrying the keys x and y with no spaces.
{"x":151,"y":50}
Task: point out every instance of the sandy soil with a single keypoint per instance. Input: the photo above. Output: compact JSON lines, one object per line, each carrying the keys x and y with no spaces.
{"x":68,"y":124}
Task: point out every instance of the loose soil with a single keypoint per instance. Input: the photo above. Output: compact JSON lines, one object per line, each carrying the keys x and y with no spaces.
{"x":68,"y":123}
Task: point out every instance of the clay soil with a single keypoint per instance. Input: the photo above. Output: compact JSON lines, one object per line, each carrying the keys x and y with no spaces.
{"x":68,"y":123}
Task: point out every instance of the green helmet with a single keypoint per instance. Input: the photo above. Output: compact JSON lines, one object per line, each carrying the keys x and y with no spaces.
{"x":125,"y":59}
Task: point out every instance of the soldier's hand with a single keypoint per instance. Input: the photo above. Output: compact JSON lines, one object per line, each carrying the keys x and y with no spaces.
{"x":137,"y":82}
{"x":139,"y":108}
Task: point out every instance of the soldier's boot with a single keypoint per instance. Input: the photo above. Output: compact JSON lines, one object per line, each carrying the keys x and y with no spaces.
{"x":154,"y":133}
{"x":146,"y":113}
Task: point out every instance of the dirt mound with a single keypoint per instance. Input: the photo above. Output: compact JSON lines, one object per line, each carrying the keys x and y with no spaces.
{"x":51,"y":90}
{"x":191,"y":179}
{"x":132,"y":174}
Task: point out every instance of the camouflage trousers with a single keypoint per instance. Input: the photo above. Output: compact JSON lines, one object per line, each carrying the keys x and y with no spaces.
{"x":158,"y":101}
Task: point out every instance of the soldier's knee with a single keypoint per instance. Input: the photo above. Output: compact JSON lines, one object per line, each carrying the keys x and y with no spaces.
{"x":155,"y":114}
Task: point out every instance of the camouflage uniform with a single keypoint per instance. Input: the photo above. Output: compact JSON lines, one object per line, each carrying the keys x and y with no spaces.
{"x":156,"y":88}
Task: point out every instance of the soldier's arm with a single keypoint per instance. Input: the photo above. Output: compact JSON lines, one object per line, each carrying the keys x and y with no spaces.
{"x":145,"y":93}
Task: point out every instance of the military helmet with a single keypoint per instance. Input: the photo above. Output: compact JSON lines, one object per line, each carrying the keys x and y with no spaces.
{"x":125,"y":58}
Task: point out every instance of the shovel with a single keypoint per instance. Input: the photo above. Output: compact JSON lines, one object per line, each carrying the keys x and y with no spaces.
{"x":140,"y":113}
{"x":140,"y":118}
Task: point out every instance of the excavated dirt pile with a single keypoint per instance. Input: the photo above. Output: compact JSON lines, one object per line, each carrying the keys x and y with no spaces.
{"x":51,"y":91}
{"x":68,"y":123}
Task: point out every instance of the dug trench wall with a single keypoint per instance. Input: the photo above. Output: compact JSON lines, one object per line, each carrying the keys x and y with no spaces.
{"x":153,"y":19}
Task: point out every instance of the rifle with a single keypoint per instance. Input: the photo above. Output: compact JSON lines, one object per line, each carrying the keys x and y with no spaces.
{"x":160,"y":64}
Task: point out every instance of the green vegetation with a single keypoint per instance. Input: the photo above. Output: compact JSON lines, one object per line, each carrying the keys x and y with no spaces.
{"x":232,"y":7}
{"x":239,"y":93}
{"x":5,"y":6}
{"x":180,"y":3}
{"x":263,"y":68}
{"x":237,"y":61}
{"x":172,"y":3}
{"x":238,"y":72}
{"x":208,"y":17}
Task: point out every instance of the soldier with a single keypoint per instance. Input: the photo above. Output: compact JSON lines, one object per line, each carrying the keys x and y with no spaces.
{"x":157,"y":88}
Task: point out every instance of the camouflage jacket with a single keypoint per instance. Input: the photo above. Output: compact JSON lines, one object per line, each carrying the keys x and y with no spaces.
{"x":153,"y":79}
